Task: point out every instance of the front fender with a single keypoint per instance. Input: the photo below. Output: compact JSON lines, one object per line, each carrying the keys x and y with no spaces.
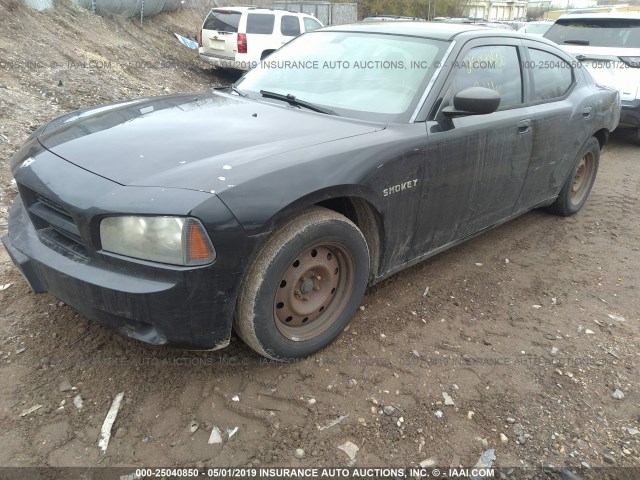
{"x":366,"y":167}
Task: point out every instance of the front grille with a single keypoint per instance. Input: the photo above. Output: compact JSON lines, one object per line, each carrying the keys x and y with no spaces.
{"x":56,"y":227}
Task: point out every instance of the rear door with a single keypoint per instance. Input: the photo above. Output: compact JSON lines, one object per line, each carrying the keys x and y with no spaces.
{"x":261,"y":34}
{"x":220,"y":33}
{"x":564,"y":118}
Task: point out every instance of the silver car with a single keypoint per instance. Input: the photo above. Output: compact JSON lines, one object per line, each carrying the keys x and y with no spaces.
{"x":608,"y":45}
{"x":536,"y":28}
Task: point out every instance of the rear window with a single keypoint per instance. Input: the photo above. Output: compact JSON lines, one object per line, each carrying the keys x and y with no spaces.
{"x":260,"y":23}
{"x":222,"y":21}
{"x":596,"y":32}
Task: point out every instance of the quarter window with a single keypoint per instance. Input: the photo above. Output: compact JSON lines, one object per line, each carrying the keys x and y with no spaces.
{"x":260,"y":23}
{"x":552,"y":76}
{"x":492,"y":66}
{"x":310,"y":24}
{"x":290,"y":26}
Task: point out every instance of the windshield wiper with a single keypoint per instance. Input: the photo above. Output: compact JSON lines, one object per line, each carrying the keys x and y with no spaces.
{"x":239,"y":92}
{"x":577,"y":42}
{"x":292,"y":100}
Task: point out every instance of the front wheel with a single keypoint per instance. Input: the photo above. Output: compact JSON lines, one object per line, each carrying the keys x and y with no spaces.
{"x":304,"y":285}
{"x":578,"y":184}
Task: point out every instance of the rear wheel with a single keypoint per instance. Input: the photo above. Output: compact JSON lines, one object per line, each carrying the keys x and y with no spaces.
{"x":265,"y":54}
{"x":578,"y":184}
{"x":304,"y":285}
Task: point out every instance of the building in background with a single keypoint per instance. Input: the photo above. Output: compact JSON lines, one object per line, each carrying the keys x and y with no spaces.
{"x":538,"y":9}
{"x":507,"y":10}
{"x":329,"y":13}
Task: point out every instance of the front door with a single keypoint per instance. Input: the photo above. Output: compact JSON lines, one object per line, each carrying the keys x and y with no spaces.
{"x":475,"y":166}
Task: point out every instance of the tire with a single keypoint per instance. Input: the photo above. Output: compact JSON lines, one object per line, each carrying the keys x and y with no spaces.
{"x":636,"y":136}
{"x":578,"y":184}
{"x":265,"y":54}
{"x":304,"y":285}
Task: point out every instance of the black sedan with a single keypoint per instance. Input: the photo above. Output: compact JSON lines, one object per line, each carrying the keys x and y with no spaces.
{"x":269,"y":206}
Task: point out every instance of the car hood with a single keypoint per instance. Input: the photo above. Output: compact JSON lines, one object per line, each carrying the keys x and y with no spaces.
{"x":189,"y":141}
{"x":606,"y":68}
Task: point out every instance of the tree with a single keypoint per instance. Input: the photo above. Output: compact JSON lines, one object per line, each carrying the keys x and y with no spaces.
{"x":414,"y":8}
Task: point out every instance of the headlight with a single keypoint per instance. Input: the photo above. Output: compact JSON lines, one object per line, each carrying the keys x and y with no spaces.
{"x":174,"y":240}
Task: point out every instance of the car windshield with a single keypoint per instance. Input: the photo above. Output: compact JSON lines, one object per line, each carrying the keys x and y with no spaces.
{"x":361,"y":75}
{"x":598,"y":32}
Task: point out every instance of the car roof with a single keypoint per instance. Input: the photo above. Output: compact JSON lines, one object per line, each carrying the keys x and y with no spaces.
{"x":434,"y":30}
{"x":245,"y":8}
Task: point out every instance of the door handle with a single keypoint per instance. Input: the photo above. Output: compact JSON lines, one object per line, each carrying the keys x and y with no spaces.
{"x":524,"y":126}
{"x":586,"y":113}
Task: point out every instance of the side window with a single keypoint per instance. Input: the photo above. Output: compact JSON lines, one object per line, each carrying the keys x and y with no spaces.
{"x":492,"y":66}
{"x":310,"y":24}
{"x":290,"y":26}
{"x":260,"y":23}
{"x":552,"y":76}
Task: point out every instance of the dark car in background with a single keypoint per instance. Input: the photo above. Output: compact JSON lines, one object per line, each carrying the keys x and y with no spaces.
{"x":269,"y":206}
{"x":480,"y":22}
{"x":392,"y":18}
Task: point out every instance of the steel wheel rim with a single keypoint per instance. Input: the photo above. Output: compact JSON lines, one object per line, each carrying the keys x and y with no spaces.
{"x":313,"y":291}
{"x":582,"y":179}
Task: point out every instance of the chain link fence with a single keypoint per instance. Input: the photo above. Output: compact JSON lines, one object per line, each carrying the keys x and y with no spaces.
{"x":327,"y":12}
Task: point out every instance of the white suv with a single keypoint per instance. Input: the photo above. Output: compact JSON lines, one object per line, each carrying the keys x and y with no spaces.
{"x":608,"y":45}
{"x":239,"y":37}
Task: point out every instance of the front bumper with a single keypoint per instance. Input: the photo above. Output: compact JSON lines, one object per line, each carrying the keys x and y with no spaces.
{"x":187,"y":307}
{"x":179,"y":309}
{"x":630,"y":113}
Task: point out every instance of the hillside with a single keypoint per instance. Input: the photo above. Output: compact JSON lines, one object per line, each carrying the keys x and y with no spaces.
{"x":68,"y":58}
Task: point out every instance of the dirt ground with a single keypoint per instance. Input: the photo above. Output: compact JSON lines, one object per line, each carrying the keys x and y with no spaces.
{"x":529,"y":329}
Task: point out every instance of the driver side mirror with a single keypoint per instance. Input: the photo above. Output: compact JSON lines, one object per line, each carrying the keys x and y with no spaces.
{"x":473,"y":101}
